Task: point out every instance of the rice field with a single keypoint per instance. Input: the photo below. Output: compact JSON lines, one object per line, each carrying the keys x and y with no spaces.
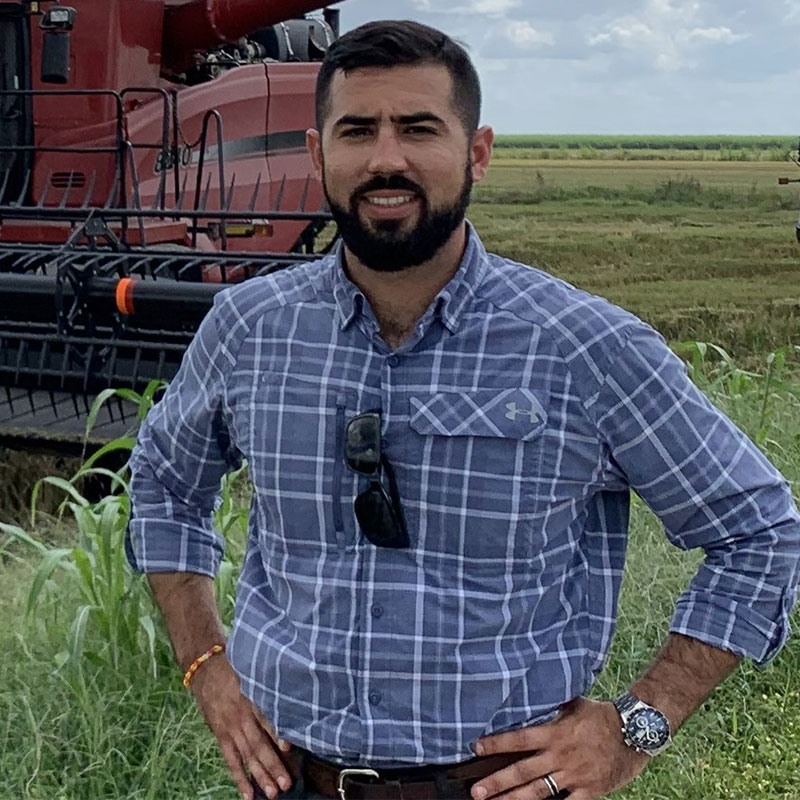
{"x":700,"y":250}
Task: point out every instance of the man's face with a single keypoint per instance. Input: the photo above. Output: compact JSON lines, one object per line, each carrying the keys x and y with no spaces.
{"x":396,"y":163}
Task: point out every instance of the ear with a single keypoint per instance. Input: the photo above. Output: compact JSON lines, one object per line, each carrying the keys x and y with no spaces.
{"x":314,"y":145}
{"x":481,"y":152}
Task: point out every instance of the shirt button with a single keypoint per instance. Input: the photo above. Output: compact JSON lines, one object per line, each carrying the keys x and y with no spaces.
{"x":377,"y":611}
{"x":393,"y":361}
{"x":374,"y":698}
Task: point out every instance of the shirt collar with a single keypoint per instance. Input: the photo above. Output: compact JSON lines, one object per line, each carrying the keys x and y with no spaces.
{"x":449,"y":305}
{"x":348,"y":297}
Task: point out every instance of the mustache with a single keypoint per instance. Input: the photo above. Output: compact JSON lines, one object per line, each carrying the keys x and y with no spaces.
{"x":389,"y":183}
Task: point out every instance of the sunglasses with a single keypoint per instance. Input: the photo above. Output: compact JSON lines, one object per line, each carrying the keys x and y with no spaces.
{"x":378,"y":512}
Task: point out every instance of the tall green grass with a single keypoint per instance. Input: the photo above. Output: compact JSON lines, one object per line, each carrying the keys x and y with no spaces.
{"x":91,"y":705}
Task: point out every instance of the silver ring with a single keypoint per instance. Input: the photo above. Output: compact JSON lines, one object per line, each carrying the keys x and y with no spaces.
{"x":550,"y":783}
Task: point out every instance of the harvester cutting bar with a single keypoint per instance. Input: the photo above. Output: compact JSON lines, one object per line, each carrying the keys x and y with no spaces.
{"x":36,"y":357}
{"x":121,"y":208}
{"x":51,"y":381}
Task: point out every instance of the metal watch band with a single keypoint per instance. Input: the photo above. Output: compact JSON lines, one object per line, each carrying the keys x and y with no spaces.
{"x":625,"y":702}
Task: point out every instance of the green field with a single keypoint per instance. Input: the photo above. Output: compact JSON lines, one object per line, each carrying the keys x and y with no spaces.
{"x":704,"y":251}
{"x":701,"y":251}
{"x":649,"y":148}
{"x":661,"y":142}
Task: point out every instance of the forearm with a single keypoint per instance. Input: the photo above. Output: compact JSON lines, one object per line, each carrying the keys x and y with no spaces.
{"x":188,"y":605}
{"x":682,"y":676}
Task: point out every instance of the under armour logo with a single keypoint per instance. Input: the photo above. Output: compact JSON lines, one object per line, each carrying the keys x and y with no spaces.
{"x":514,"y":411}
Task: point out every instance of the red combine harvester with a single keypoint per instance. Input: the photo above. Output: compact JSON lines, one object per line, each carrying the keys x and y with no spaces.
{"x":150,"y":152}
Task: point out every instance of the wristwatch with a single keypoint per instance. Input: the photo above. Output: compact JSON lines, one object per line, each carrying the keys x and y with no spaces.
{"x":644,"y":728}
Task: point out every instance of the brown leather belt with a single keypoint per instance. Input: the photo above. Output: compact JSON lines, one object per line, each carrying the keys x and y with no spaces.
{"x":446,"y":782}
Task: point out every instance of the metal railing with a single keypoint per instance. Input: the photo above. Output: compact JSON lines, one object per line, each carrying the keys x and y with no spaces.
{"x":123,"y":203}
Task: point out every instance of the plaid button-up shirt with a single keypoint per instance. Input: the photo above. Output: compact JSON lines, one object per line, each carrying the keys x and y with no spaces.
{"x":517,"y":417}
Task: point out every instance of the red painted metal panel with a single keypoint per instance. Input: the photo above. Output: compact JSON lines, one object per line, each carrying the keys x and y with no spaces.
{"x":291,"y":112}
{"x":240,"y":96}
{"x":115,"y":44}
{"x":55,"y":233}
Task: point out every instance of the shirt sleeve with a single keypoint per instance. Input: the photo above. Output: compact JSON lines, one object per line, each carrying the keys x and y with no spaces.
{"x":183,"y":450}
{"x":713,"y":489}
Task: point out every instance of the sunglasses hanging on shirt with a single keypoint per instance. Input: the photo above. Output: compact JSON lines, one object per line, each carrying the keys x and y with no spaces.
{"x":378,"y":512}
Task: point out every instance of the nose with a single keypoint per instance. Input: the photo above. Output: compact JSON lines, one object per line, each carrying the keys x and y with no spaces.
{"x":387,"y":157}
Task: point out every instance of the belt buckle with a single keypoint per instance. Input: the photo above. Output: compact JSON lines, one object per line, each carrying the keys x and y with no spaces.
{"x":346,"y":773}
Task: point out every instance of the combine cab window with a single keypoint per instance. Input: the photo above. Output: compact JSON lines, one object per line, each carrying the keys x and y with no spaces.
{"x":15,"y":117}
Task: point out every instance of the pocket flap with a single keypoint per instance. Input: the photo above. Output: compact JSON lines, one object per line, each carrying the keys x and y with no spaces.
{"x":506,"y":413}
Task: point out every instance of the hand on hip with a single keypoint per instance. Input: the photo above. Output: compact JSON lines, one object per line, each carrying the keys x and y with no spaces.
{"x":580,"y":752}
{"x":248,"y":741}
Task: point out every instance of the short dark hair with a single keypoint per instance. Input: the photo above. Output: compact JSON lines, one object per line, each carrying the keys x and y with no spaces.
{"x":392,"y":43}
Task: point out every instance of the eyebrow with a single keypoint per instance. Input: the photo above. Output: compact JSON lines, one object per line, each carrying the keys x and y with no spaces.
{"x":404,"y":119}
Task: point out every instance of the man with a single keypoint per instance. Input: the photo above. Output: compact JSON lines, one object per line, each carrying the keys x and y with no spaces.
{"x":442,"y":445}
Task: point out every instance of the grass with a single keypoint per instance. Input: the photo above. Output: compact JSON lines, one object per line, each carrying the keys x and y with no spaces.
{"x":705,"y":251}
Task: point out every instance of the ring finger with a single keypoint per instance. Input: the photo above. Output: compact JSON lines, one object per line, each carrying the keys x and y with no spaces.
{"x":552,"y":785}
{"x":538,"y":789}
{"x":524,"y":772}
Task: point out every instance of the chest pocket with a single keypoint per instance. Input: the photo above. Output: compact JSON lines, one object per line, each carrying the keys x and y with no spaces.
{"x":480,"y":454}
{"x":296,"y":467}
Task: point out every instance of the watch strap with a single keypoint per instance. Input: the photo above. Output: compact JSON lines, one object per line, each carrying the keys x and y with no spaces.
{"x":625,"y":702}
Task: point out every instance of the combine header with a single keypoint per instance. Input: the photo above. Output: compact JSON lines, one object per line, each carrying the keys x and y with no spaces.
{"x":150,"y":152}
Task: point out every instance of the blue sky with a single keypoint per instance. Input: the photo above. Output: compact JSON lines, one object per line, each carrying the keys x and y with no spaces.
{"x":622,"y":66}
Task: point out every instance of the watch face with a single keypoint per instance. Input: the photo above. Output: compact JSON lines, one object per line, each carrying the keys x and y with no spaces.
{"x":647,"y":729}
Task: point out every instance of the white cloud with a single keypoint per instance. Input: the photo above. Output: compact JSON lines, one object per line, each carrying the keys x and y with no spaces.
{"x":515,"y":39}
{"x":717,"y":35}
{"x":628,"y":31}
{"x":493,"y":7}
{"x":524,"y":36}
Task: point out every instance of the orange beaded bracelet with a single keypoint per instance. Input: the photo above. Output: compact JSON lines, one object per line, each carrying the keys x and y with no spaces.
{"x":198,"y":662}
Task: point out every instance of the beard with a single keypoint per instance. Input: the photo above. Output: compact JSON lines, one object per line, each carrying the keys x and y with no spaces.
{"x":386,"y":248}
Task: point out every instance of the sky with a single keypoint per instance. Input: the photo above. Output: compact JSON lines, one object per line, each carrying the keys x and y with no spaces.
{"x":622,"y":66}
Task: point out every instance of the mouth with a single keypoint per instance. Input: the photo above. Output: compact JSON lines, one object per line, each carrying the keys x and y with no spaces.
{"x":390,"y":202}
{"x":390,"y":205}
